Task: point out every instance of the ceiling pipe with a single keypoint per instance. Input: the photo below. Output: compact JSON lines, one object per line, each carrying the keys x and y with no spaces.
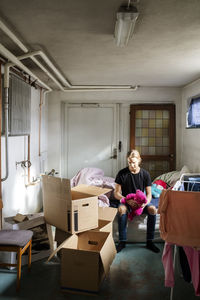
{"x":15,"y":61}
{"x":12,"y":36}
{"x":66,"y":82}
{"x":68,"y":87}
{"x":30,"y":55}
{"x":50,"y":64}
{"x":99,"y":89}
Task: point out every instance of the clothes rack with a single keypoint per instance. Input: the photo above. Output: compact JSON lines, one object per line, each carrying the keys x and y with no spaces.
{"x":190,"y":186}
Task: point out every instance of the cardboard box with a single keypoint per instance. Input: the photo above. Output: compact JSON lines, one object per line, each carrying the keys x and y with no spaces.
{"x":61,"y":236}
{"x":105,"y":224}
{"x":40,"y":241}
{"x":106,"y":218}
{"x":72,"y":210}
{"x":85,"y":261}
{"x":31,"y":220}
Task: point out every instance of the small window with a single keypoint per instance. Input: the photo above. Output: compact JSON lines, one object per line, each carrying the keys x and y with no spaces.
{"x":193,"y":113}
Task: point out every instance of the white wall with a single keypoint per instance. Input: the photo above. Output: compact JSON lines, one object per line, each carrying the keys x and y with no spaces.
{"x":190,"y":148}
{"x":16,"y":197}
{"x":124,"y":98}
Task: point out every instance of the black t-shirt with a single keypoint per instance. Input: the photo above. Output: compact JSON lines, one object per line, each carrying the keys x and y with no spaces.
{"x":131,"y":182}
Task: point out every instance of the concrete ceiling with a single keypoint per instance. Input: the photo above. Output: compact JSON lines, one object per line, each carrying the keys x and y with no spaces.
{"x":77,"y":35}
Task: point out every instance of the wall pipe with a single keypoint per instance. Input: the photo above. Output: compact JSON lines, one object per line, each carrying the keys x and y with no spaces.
{"x":29,"y":157}
{"x":40,"y":121}
{"x":14,"y":61}
{"x":68,"y":86}
{"x":6,"y":131}
{"x":6,"y":107}
{"x":1,"y":202}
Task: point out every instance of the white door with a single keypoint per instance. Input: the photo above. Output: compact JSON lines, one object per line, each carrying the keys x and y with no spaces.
{"x":90,"y":138}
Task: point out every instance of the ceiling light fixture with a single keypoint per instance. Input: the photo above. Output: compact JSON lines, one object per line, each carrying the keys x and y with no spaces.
{"x":125,"y":23}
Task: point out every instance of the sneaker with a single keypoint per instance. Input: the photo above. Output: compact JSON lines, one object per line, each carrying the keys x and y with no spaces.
{"x":120,"y":246}
{"x":150,"y":245}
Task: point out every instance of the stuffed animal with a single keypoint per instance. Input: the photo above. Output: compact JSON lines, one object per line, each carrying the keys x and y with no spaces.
{"x":140,"y":198}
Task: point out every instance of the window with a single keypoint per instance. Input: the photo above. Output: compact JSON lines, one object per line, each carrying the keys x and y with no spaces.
{"x":193,"y":114}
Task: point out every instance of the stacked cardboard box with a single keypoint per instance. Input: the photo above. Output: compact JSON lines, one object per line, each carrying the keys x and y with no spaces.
{"x":83,"y":232}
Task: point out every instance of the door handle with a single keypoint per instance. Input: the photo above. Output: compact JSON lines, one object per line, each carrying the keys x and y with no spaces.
{"x":114,"y":156}
{"x":120,"y":146}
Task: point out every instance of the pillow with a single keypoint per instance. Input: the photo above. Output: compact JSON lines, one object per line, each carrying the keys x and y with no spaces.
{"x":166,"y":177}
{"x":171,"y":177}
{"x":174,"y":179}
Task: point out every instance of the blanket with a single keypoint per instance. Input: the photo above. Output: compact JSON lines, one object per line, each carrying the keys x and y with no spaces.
{"x":95,"y":176}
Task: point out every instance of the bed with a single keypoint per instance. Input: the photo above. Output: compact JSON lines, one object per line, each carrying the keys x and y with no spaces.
{"x":136,"y":231}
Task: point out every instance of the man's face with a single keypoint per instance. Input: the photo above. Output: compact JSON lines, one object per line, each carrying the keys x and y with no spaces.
{"x":133,"y":163}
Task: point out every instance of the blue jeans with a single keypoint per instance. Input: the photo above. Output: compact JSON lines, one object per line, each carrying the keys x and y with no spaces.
{"x":122,"y":224}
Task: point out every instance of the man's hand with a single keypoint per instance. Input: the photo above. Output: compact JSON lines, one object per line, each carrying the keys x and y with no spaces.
{"x":133,"y":203}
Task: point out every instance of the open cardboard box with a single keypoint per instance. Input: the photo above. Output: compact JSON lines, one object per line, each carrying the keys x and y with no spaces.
{"x":85,"y":261}
{"x":105,"y":223}
{"x":106,"y":218}
{"x":71,"y":210}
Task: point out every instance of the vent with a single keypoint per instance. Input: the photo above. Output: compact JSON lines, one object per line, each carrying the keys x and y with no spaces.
{"x":19,"y":119}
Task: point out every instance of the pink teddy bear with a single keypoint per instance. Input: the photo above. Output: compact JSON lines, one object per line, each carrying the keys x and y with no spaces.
{"x":140,"y":198}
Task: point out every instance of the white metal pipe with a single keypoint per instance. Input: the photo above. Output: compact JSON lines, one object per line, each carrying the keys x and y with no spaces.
{"x":5,"y":52}
{"x":54,"y":69}
{"x":29,"y":55}
{"x":12,"y":36}
{"x":6,"y":131}
{"x":68,"y":86}
{"x":78,"y":87}
{"x":6,"y":75}
{"x":49,"y":63}
{"x":115,"y":87}
{"x":132,"y":88}
{"x":47,"y":72}
{"x":66,"y":82}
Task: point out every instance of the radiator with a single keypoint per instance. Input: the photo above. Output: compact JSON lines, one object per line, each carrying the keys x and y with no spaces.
{"x":19,"y":118}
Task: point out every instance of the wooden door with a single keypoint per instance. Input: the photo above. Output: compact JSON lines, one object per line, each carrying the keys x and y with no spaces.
{"x":152,"y":133}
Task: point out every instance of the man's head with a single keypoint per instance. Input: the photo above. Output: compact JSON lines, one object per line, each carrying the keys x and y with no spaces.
{"x":134,"y":160}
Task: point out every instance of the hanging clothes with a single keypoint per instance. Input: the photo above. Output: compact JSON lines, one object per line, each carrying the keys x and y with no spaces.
{"x":193,"y":257}
{"x":179,"y":217}
{"x":185,"y":268}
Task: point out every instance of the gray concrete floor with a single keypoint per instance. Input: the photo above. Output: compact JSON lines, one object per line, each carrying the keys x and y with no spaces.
{"x":136,"y":273}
